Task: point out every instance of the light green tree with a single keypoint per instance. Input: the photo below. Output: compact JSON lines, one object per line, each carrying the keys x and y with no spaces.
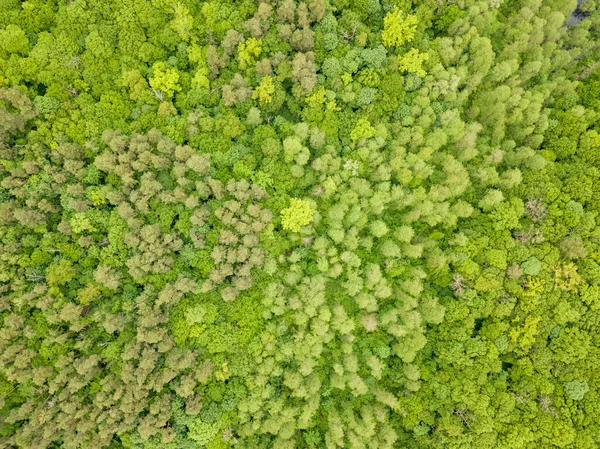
{"x":398,"y":28}
{"x":412,"y":62}
{"x":164,"y":79}
{"x":298,"y":214}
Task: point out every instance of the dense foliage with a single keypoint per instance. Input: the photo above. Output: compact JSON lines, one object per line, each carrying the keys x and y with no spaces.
{"x":299,"y":224}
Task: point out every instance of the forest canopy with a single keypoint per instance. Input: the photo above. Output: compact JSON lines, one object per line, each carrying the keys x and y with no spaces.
{"x":358,"y":224}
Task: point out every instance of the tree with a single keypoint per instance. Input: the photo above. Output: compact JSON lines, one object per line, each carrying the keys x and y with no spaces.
{"x":572,"y":247}
{"x":304,"y":71}
{"x":413,"y":62}
{"x":249,"y":51}
{"x":264,"y":92}
{"x":398,"y":28}
{"x":14,"y":40}
{"x":298,"y":214}
{"x":182,"y":22}
{"x":576,"y":389}
{"x":362,"y":130}
{"x":164,"y":80}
